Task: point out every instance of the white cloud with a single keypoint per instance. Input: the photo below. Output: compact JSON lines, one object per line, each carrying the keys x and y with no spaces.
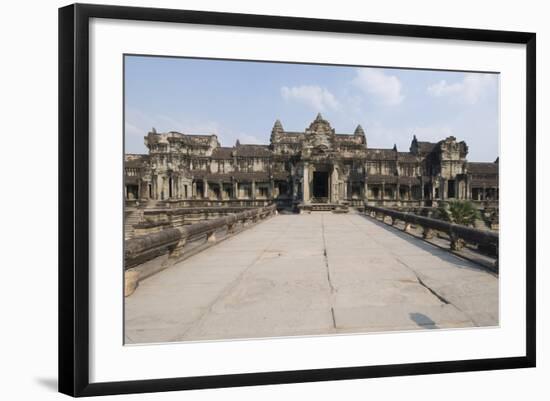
{"x":433,"y":133}
{"x":383,"y":86}
{"x":470,"y":90}
{"x":138,"y":124}
{"x":319,"y":99}
{"x":250,"y":139}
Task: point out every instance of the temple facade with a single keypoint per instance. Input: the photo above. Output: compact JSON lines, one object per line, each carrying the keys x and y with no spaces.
{"x":314,"y":166}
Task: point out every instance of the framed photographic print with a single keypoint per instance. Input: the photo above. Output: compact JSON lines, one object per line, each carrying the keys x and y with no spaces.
{"x":250,"y":199}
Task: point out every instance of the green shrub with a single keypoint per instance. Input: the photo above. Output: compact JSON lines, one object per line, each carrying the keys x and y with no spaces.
{"x":461,"y":212}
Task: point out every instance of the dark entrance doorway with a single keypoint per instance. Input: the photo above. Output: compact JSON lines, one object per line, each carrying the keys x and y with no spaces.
{"x":320,"y":186}
{"x":451,"y":189}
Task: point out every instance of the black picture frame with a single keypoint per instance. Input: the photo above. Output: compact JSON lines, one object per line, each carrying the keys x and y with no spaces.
{"x":74,"y":198}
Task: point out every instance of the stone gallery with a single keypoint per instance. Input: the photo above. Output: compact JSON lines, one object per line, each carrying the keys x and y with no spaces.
{"x":314,"y":169}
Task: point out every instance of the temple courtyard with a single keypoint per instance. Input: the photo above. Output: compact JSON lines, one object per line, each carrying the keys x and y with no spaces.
{"x":311,"y":274}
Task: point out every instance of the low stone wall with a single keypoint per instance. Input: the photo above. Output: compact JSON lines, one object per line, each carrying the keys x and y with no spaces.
{"x":457,"y":234}
{"x":179,"y":203}
{"x":148,"y":254}
{"x":155,"y":220}
{"x":488,"y":220}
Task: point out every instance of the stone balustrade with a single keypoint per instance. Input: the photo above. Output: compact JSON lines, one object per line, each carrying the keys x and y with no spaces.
{"x":211,"y":202}
{"x":458,"y":234}
{"x":147,"y":254}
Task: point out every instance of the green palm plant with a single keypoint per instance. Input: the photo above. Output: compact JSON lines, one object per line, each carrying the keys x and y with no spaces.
{"x":461,"y":212}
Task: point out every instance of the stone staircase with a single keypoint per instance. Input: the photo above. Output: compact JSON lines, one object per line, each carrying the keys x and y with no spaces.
{"x":131,"y":218}
{"x":323,"y":207}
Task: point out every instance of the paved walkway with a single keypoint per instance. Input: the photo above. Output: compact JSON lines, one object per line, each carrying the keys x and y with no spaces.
{"x":319,"y":273}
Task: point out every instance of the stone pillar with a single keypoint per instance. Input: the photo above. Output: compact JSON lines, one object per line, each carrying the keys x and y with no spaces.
{"x":397,"y":194}
{"x":271,"y":188}
{"x":483,"y":194}
{"x":333,"y":185}
{"x":167,"y":187}
{"x":422,"y":183}
{"x":305,"y":190}
{"x":194,"y":189}
{"x":235,"y":190}
{"x":160,"y":190}
{"x":253,"y":189}
{"x":410,"y":191}
{"x":443,"y":189}
{"x":346,"y":190}
{"x":366,"y":196}
{"x":383,"y":196}
{"x":220,"y":183}
{"x":205,"y":188}
{"x":455,"y":184}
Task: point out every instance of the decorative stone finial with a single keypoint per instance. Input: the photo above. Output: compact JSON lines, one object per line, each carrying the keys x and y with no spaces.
{"x":359,"y":130}
{"x":238,"y":143}
{"x":277,"y":127}
{"x":319,"y":117}
{"x":395,"y":147}
{"x":154,"y":130}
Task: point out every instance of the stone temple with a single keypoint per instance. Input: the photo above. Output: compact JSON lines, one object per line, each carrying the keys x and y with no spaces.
{"x":306,"y":169}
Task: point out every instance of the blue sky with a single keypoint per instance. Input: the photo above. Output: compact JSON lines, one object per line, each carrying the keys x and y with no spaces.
{"x":241,"y":100}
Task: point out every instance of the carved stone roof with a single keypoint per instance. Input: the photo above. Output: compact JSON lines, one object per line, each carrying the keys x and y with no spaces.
{"x":222,"y":153}
{"x":381,"y":154}
{"x":253,"y":151}
{"x":426,"y":147}
{"x":482,"y":168}
{"x":487,"y":182}
{"x":406,"y":157}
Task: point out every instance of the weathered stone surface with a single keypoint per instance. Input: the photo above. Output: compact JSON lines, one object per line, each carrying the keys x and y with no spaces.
{"x":313,"y":165}
{"x":130,"y":282}
{"x":318,"y":273}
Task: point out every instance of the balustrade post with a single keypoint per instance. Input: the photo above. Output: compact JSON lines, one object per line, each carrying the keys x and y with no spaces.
{"x":407,"y":227}
{"x":456,"y":243}
{"x":427,"y":233}
{"x":211,"y":236}
{"x":131,"y":278}
{"x":177,"y":251}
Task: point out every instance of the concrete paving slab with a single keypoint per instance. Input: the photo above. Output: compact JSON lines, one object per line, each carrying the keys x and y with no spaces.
{"x":319,"y":273}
